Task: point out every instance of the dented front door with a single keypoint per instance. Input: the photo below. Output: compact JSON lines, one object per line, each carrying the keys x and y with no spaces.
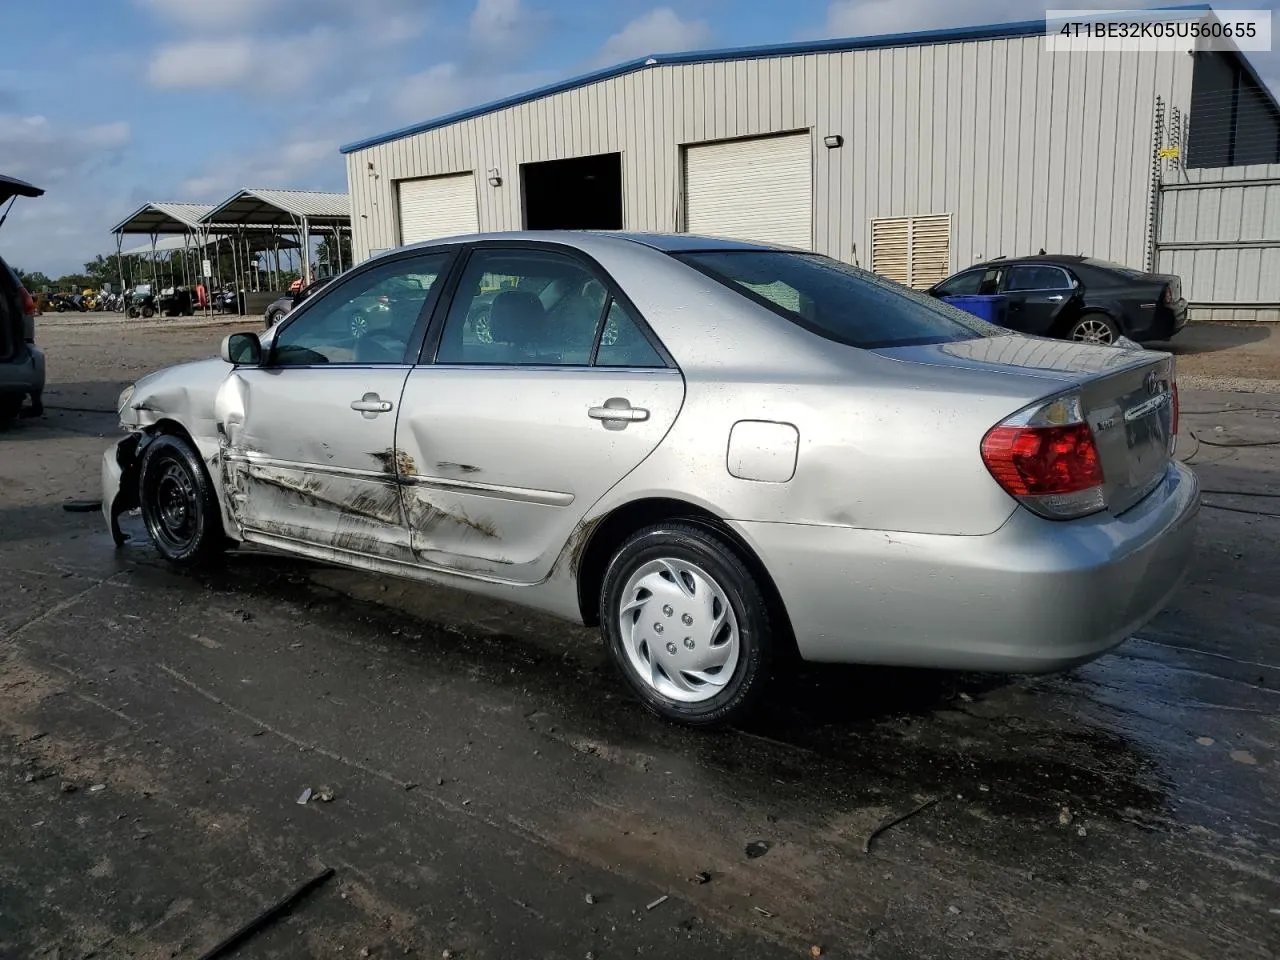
{"x":301,"y":465}
{"x":308,"y":438}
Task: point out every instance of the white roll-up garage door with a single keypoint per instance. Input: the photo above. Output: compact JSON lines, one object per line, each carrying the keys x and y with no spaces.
{"x":438,"y":207}
{"x":759,"y":189}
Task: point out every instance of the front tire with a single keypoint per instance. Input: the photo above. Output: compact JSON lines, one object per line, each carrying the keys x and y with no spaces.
{"x":273,"y":318}
{"x":1094,"y":328}
{"x":687,"y":624}
{"x":179,"y":506}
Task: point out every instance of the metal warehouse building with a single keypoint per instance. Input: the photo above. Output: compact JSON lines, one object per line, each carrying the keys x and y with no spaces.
{"x":913,"y":155}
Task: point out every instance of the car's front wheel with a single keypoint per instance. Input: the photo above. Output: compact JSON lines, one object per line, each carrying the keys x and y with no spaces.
{"x":273,"y":318}
{"x":179,"y":505}
{"x":687,"y":624}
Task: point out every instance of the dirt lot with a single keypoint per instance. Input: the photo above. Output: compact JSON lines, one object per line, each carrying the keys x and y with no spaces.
{"x":1228,"y":356}
{"x":495,"y":794}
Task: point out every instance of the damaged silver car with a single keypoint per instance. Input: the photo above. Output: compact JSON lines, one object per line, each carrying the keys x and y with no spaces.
{"x":719,"y":452}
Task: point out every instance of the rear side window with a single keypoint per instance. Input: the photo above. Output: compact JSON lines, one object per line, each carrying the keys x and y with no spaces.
{"x":837,"y":301}
{"x":1034,"y":276}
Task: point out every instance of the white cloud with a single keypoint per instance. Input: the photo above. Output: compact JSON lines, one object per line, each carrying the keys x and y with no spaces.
{"x":502,"y":26}
{"x":659,"y":31}
{"x":282,"y":65}
{"x":58,"y":232}
{"x":209,"y":13}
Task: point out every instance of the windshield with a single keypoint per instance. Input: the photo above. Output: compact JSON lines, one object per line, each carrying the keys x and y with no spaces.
{"x":838,"y":301}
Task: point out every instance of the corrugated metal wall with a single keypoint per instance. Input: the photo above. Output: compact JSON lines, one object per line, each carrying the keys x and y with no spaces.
{"x":1025,"y":149}
{"x":1219,"y":230}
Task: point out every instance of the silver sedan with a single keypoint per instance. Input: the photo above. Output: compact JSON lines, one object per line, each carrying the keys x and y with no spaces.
{"x":719,"y":452}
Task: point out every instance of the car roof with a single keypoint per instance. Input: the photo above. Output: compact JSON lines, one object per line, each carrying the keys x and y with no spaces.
{"x":1055,"y":258}
{"x":13,"y":187}
{"x":587,"y":239}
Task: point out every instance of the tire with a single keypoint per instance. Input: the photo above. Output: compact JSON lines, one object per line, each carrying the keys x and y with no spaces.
{"x":273,"y":318}
{"x":148,"y":312}
{"x":10,"y":407}
{"x":1094,"y":328}
{"x":680,"y":574}
{"x":179,"y":506}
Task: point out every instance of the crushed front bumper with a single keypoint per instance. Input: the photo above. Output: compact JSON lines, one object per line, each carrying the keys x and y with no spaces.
{"x":120,"y":482}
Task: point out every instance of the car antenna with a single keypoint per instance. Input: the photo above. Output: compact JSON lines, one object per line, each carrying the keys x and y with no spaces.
{"x":5,"y":216}
{"x":1041,"y":253}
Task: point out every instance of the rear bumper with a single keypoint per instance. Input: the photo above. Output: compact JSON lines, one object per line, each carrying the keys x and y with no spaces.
{"x":1165,"y":322}
{"x":1035,"y":596}
{"x":24,"y":374}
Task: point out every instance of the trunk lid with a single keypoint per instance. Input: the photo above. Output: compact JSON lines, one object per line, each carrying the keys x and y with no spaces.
{"x":1127,"y":397}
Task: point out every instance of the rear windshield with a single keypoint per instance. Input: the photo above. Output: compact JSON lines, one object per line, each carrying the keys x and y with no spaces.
{"x":837,"y":301}
{"x":1129,"y":272}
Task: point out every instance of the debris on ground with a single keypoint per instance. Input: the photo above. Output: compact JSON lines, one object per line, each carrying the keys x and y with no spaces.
{"x":1081,"y":831}
{"x":657,"y":903}
{"x":325,"y":795}
{"x":1064,"y":817}
{"x":444,"y":954}
{"x":762,"y":911}
{"x":304,"y":797}
{"x":1244,"y":756}
{"x":69,"y":787}
{"x":262,"y":920}
{"x":97,"y":788}
{"x":1205,"y":741}
{"x":700,"y":877}
{"x":364,"y":952}
{"x":82,"y":506}
{"x":953,"y":909}
{"x":967,"y":698}
{"x":590,"y":898}
{"x":894,"y":821}
{"x":815,"y":951}
{"x":758,"y":848}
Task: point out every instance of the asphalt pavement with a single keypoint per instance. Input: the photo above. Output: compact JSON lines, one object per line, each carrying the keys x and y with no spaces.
{"x":482,"y":786}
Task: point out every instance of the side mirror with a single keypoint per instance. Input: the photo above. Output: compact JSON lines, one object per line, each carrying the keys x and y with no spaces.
{"x":241,"y":349}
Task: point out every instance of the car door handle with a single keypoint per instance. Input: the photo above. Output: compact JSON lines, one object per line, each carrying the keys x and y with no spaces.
{"x":1056,"y":298}
{"x":371,"y":403}
{"x":618,"y":409}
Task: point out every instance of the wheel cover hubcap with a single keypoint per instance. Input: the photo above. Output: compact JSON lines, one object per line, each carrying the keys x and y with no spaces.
{"x":678,"y":630}
{"x":1093,"y":331}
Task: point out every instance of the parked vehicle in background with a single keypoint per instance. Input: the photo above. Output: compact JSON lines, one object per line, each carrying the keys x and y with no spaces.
{"x":67,"y":303}
{"x":280,"y":308}
{"x":21,"y":361}
{"x":718,"y":451}
{"x":140,"y":302}
{"x":1076,"y":298}
{"x":176,"y":301}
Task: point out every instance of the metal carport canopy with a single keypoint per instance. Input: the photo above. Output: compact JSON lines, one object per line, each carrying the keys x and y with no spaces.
{"x":298,"y":210}
{"x":157,"y":218}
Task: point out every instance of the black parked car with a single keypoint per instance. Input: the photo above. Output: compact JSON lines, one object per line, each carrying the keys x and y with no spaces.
{"x":1076,"y":298}
{"x":21,"y":361}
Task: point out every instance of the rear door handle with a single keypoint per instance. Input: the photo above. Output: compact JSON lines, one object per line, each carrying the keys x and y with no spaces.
{"x":1056,"y":298}
{"x":618,"y":409}
{"x":371,"y":405}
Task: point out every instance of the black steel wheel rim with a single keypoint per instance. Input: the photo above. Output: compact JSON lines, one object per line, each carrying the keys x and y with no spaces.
{"x":174,"y":517}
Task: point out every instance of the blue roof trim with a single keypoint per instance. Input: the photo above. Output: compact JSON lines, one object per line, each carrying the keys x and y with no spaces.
{"x":994,"y":31}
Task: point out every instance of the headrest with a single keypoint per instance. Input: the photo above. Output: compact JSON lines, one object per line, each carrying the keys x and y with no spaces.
{"x":516,"y":317}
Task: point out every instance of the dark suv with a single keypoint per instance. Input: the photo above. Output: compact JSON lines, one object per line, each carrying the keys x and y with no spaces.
{"x":21,"y":361}
{"x":1076,"y":298}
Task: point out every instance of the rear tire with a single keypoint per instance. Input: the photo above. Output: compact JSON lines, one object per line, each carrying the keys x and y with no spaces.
{"x":273,"y":318}
{"x":179,"y":505}
{"x":10,"y":407}
{"x":687,"y":625}
{"x":148,"y":312}
{"x":1094,"y":328}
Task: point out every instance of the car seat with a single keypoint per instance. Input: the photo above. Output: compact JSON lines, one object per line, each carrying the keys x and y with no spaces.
{"x":517,"y":323}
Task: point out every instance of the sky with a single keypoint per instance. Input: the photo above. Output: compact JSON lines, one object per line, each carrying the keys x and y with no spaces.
{"x":109,"y":104}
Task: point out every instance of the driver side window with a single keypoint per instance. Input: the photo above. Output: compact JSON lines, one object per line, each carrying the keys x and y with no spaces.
{"x":367,"y":319}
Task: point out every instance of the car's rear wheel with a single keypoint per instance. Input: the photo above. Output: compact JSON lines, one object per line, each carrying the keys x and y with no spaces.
{"x":273,"y":318}
{"x":1094,"y":328}
{"x":687,"y":624}
{"x":179,"y":506}
{"x":10,"y":407}
{"x":148,"y":312}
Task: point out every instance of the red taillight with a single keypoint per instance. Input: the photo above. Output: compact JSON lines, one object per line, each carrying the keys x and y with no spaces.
{"x":1034,"y":461}
{"x":1167,"y":297}
{"x":28,"y":305}
{"x":1047,"y":458}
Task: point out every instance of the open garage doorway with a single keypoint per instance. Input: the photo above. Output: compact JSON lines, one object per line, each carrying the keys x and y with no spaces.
{"x":582,"y":193}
